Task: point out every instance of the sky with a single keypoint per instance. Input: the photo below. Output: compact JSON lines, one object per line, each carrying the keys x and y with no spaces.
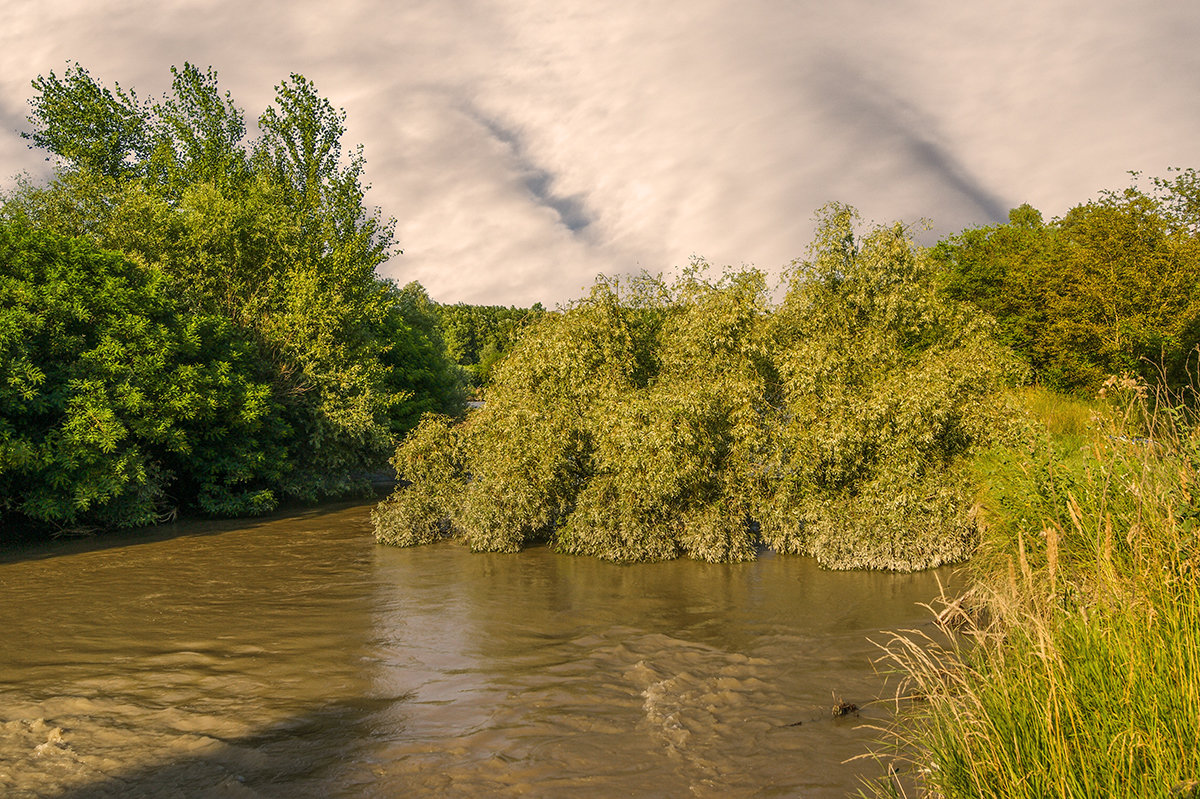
{"x":525,"y":146}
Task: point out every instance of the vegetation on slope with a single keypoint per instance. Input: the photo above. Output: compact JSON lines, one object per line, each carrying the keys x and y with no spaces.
{"x":1073,"y":666}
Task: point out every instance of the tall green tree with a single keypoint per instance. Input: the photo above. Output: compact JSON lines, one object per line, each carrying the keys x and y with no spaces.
{"x":197,"y":134}
{"x":1107,"y":289}
{"x":87,"y":125}
{"x":267,"y":242}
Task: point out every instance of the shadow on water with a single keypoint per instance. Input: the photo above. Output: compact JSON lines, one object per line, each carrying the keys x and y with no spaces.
{"x":318,"y":753}
{"x":34,"y":546}
{"x":212,"y":659}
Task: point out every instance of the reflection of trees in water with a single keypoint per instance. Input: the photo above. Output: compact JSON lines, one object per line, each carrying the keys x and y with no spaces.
{"x":724,"y":604}
{"x":693,"y":671}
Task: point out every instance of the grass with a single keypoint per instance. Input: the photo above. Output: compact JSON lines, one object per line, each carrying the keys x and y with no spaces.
{"x":1072,"y":667}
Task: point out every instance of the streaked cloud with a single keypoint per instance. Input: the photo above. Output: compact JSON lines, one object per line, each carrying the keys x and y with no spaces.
{"x":523,"y":146}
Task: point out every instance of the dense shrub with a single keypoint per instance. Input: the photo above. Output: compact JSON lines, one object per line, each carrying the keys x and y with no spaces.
{"x":114,"y":405}
{"x":653,"y":420}
{"x":889,"y":387}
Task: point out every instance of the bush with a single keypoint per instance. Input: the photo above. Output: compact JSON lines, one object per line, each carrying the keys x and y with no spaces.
{"x":652,"y":420}
{"x":114,"y":405}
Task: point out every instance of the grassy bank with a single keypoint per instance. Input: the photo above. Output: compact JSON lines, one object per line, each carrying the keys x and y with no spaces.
{"x":1072,"y":668}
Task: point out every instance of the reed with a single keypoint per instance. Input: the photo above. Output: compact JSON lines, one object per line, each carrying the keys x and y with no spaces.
{"x":1072,"y":667}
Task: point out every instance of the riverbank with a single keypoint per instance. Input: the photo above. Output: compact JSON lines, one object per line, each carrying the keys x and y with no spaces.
{"x":1072,"y":668}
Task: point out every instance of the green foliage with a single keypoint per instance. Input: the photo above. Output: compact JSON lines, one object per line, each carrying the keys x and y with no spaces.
{"x":197,"y":133}
{"x":418,"y":366}
{"x":99,"y":129}
{"x":478,"y":337}
{"x":891,"y":387}
{"x":269,"y":255}
{"x":300,"y":150}
{"x":652,"y":420}
{"x":675,"y":452}
{"x":116,"y":406}
{"x":1078,"y":674}
{"x":1107,"y":289}
{"x":64,"y":426}
{"x":431,"y":456}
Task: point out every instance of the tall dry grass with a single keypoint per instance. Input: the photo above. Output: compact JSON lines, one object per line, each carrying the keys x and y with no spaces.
{"x":1072,"y":667}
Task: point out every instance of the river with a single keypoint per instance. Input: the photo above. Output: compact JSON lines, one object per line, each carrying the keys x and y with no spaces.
{"x":294,"y":657}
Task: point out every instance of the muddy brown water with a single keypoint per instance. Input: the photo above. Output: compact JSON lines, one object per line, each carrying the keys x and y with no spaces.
{"x":294,"y":657}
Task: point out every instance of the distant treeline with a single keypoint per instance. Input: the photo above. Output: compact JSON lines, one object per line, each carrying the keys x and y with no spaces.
{"x":478,"y":336}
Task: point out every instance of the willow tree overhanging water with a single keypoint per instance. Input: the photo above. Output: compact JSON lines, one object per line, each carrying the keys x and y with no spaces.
{"x":653,"y":420}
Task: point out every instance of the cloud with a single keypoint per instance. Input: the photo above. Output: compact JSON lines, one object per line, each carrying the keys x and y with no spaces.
{"x":873,"y":119}
{"x":525,"y":146}
{"x":570,"y":210}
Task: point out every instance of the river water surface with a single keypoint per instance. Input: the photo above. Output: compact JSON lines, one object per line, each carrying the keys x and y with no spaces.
{"x":294,"y":657}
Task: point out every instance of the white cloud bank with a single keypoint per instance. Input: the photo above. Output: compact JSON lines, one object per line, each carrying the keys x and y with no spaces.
{"x":526,"y":145}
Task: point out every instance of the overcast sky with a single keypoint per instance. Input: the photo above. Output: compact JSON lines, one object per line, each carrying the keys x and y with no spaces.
{"x":524,"y":146}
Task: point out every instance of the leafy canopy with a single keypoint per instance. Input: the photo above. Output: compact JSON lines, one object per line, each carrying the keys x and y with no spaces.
{"x":113,"y":404}
{"x":264,"y":244}
{"x":1110,"y":288}
{"x":653,"y":420}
